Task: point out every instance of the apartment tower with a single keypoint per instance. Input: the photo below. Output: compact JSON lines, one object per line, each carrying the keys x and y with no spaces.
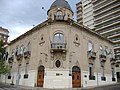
{"x":106,"y":17}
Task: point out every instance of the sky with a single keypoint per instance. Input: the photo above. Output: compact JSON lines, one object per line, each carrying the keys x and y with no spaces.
{"x":19,"y":16}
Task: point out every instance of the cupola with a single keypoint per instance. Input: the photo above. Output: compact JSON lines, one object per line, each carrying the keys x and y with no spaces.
{"x":60,"y":10}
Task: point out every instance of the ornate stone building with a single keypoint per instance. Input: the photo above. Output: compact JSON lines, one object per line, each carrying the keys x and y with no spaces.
{"x":60,"y":53}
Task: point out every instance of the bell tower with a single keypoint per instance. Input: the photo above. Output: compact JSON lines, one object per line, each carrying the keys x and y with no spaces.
{"x":60,"y":10}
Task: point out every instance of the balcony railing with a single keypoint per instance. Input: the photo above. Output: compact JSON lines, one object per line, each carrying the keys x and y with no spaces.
{"x":112,"y":61}
{"x":113,"y":34}
{"x":107,"y":18}
{"x":105,"y":4}
{"x":108,"y":23}
{"x":117,"y":45}
{"x":11,"y":59}
{"x":58,"y":46}
{"x":19,"y":57}
{"x":27,"y":54}
{"x":111,"y":29}
{"x":102,"y":58}
{"x":59,"y":17}
{"x":91,"y":55}
{"x":99,"y":16}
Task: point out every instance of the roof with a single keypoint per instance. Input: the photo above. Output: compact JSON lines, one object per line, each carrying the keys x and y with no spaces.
{"x":60,"y":3}
{"x":49,"y":21}
{"x":3,"y":29}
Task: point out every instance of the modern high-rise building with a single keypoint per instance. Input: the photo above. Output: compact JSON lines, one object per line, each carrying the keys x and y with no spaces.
{"x":4,"y":34}
{"x":106,"y":17}
{"x":107,"y":23}
{"x":85,"y":13}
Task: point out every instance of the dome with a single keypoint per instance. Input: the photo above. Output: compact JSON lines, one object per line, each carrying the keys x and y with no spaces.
{"x":60,"y":3}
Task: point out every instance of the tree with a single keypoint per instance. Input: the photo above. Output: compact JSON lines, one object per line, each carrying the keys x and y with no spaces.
{"x":3,"y":67}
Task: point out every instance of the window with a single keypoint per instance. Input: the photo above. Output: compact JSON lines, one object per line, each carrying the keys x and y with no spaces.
{"x":101,"y":50}
{"x":113,"y":73}
{"x":58,"y":63}
{"x":22,"y":50}
{"x":16,"y":51}
{"x":111,"y":53}
{"x":29,"y":47}
{"x":91,"y":73}
{"x":90,"y":46}
{"x":26,"y":68}
{"x":58,"y":38}
{"x":59,"y":13}
{"x":76,"y":38}
{"x":106,"y":50}
{"x":12,"y":54}
{"x":103,"y":74}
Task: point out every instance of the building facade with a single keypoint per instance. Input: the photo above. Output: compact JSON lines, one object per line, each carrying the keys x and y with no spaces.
{"x":60,"y":53}
{"x":106,"y":14}
{"x":4,"y":34}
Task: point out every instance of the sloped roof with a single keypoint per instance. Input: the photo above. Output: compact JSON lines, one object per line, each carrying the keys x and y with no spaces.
{"x":49,"y":21}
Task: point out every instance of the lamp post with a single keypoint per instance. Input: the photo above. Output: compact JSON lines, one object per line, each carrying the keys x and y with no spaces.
{"x":71,"y":54}
{"x":45,"y":56}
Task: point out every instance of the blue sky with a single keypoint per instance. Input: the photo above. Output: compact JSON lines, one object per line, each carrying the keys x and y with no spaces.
{"x":19,"y":16}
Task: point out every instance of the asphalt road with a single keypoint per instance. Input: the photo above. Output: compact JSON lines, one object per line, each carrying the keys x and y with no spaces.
{"x":13,"y":87}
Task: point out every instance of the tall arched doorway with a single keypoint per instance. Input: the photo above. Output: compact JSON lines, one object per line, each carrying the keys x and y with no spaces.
{"x":40,"y":76}
{"x":76,"y":77}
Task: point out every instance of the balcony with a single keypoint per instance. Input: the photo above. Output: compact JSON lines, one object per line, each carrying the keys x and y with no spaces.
{"x":19,"y":57}
{"x":58,"y":47}
{"x":11,"y":59}
{"x":91,"y":55}
{"x":27,"y":54}
{"x":113,"y":35}
{"x":59,"y":17}
{"x":102,"y":58}
{"x":105,"y":14}
{"x":112,"y":61}
{"x":111,"y":17}
{"x":98,"y":7}
{"x":117,"y":46}
{"x":109,"y":30}
{"x":117,"y":21}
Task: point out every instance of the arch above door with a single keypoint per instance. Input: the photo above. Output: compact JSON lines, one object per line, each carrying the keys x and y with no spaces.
{"x":76,"y":77}
{"x":40,"y":76}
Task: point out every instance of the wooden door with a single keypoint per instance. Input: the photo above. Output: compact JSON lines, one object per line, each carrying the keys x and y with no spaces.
{"x":40,"y":77}
{"x":76,"y":77}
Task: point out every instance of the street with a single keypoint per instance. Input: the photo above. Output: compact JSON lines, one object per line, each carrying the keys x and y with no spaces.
{"x":13,"y":87}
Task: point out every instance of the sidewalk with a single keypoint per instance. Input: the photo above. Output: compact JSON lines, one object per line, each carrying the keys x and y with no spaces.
{"x":21,"y":87}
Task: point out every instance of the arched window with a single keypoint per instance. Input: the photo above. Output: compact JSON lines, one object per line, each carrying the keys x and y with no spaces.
{"x":16,"y":53}
{"x":59,"y":13}
{"x":58,"y":38}
{"x":111,"y":53}
{"x":90,"y":46}
{"x":22,"y":50}
{"x":106,"y":50}
{"x":29,"y":47}
{"x":101,"y":50}
{"x":12,"y":53}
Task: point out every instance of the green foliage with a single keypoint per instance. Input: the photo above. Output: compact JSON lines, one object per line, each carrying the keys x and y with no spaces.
{"x":3,"y":67}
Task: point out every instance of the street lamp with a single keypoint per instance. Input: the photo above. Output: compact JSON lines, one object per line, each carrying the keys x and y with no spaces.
{"x":45,"y":56}
{"x":71,"y":54}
